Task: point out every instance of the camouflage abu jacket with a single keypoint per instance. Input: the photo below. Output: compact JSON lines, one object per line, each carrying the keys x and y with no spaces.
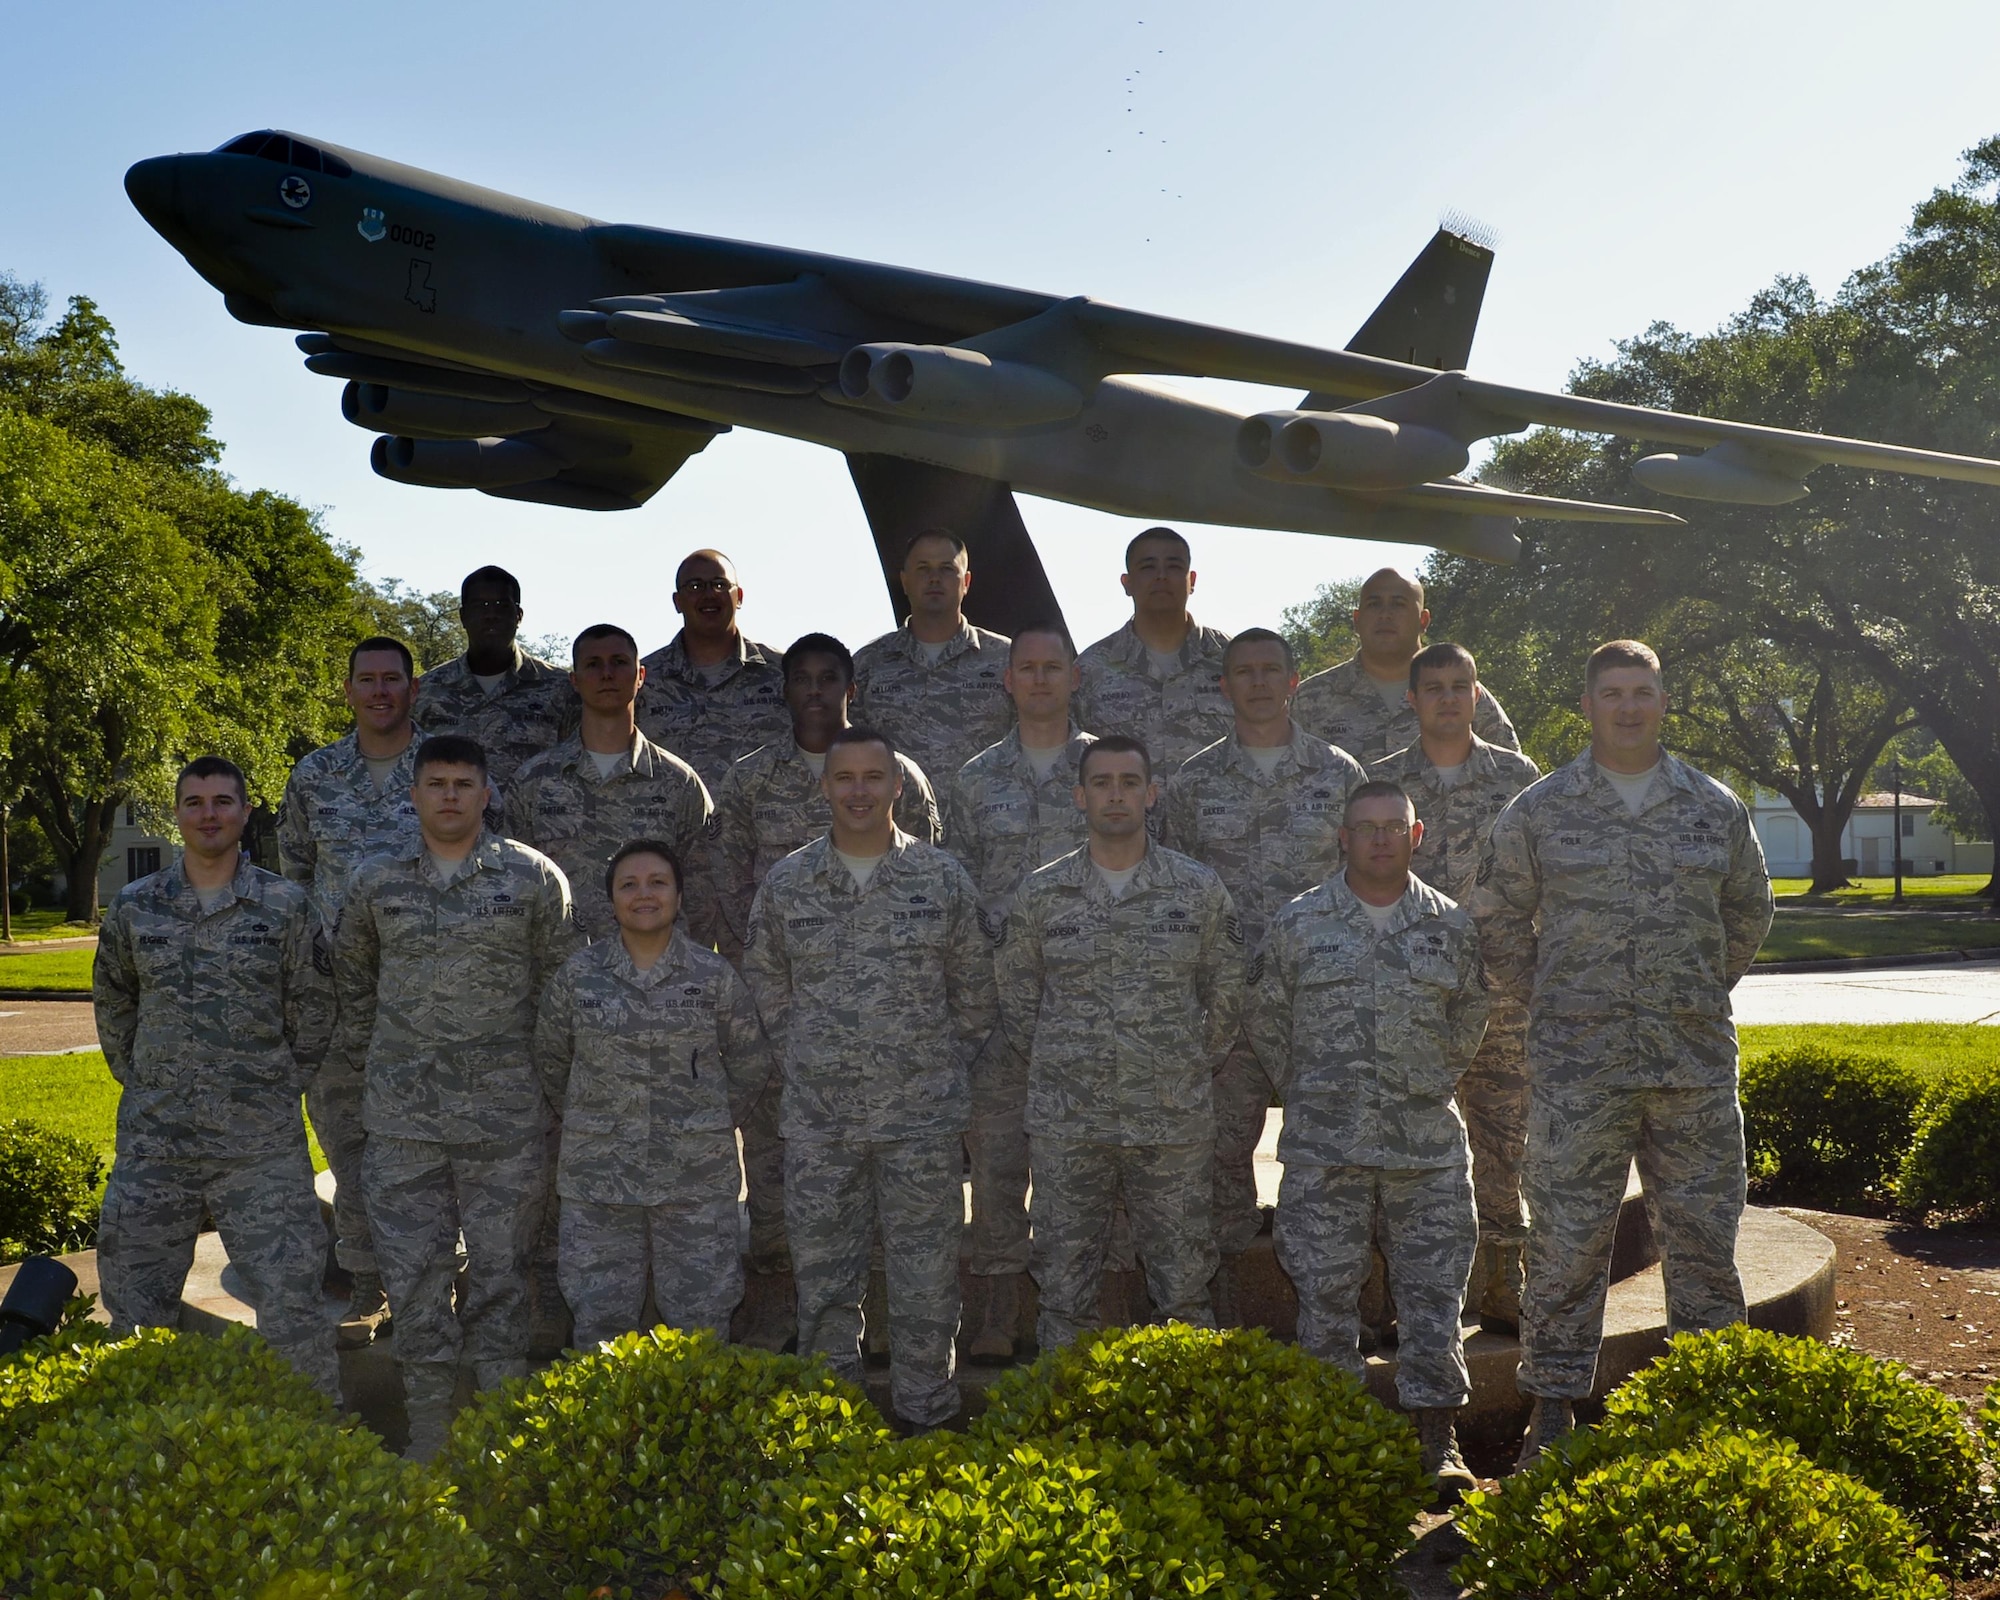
{"x":1343,"y":707}
{"x":1004,"y":823}
{"x":1456,"y":820}
{"x":211,"y":1021}
{"x":711,"y":717}
{"x":1172,"y":716}
{"x":1367,"y":1033}
{"x":532,"y":710}
{"x":939,"y":715}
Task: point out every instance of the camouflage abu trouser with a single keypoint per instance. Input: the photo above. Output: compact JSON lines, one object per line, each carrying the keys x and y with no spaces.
{"x":998,"y":1145}
{"x":1166,"y":1190}
{"x":688,"y":1244}
{"x":1493,"y":1095}
{"x":269,"y":1219}
{"x":333,"y":1101}
{"x":1242,"y":1095}
{"x":1424,"y":1220}
{"x":1581,"y":1144}
{"x":764,"y":1178}
{"x":836,"y":1196}
{"x":421,"y":1196}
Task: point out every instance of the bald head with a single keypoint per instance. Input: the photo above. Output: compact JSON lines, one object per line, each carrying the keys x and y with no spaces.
{"x":705,"y":563}
{"x":1389,"y":621}
{"x":707,"y":596}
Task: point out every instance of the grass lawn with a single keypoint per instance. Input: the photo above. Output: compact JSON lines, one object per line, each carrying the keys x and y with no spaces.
{"x":31,"y":925}
{"x":1946,"y":886}
{"x":47,"y":969}
{"x":1928,"y":1048}
{"x":1815,"y":936}
{"x":77,"y":1095}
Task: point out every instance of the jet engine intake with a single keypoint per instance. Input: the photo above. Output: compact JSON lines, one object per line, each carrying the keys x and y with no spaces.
{"x":381,"y":409}
{"x":943,"y":383}
{"x":1730,"y":472}
{"x":1346,"y":450}
{"x":462,"y":463}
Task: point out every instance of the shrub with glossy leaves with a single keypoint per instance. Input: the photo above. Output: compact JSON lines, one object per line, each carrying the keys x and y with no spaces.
{"x":51,"y":1190}
{"x":1305,"y":1472}
{"x":622,"y":1471}
{"x":94,"y":1373}
{"x":1827,"y":1127}
{"x":1846,"y":1412}
{"x":1953,"y":1162}
{"x":199,"y":1497}
{"x":1725,"y":1516}
{"x":945,"y":1515}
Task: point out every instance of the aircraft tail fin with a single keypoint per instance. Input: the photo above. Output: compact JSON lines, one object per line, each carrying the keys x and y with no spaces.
{"x":1430,"y":316}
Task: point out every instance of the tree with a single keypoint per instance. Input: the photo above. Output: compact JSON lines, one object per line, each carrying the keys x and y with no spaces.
{"x":427,"y":623}
{"x":1321,"y":630}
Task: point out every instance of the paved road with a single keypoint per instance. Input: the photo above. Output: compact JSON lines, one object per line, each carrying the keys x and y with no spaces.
{"x":1950,"y":992}
{"x":31,"y":1027}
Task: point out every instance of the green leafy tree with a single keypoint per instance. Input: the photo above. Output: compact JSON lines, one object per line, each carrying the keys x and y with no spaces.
{"x":427,"y":623}
{"x":1321,"y":630}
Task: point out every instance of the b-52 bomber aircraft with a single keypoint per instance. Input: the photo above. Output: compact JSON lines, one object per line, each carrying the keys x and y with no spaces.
{"x":528,"y":352}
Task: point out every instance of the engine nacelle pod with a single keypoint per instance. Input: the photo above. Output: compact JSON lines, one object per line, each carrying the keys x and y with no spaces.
{"x":462,"y":463}
{"x":1351,"y":450}
{"x":381,"y":409}
{"x":943,"y":383}
{"x":1728,"y":472}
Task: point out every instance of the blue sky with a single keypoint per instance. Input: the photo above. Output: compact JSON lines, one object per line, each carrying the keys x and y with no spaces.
{"x":1269,"y":167}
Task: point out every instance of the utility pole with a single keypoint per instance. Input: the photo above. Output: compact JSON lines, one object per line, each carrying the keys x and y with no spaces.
{"x":6,"y":880}
{"x":1896,"y":823}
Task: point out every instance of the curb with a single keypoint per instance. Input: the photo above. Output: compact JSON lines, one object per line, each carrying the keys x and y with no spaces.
{"x":78,"y":996}
{"x":1876,"y":963}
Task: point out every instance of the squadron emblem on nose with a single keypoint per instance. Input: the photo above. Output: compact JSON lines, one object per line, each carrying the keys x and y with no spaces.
{"x":295,"y":192}
{"x":371,"y":226}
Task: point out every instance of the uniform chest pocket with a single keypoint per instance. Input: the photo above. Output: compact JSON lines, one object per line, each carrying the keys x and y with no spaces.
{"x":1217,"y":820}
{"x":1326,"y":964}
{"x":918,"y":927}
{"x":1007,"y":818}
{"x":1702,"y":855}
{"x":1563,"y":854}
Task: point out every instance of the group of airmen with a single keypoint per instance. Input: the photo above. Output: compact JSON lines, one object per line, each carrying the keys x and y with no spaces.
{"x":565,"y":962}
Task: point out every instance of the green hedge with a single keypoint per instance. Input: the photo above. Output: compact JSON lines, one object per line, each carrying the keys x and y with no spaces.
{"x":1827,"y":1127}
{"x":1304,"y":1471}
{"x":1725,"y":1516}
{"x":623,"y":1471}
{"x":51,"y":1190}
{"x":944,"y":1515}
{"x":1953,"y":1162}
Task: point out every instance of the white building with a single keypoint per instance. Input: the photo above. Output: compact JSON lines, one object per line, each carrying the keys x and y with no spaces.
{"x":1928,"y":847}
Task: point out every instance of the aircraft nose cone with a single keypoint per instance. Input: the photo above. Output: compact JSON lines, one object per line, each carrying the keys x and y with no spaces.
{"x":154,"y":188}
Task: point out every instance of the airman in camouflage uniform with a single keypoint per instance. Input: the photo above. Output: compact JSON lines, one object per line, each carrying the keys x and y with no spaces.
{"x":343,"y":803}
{"x":711,"y":696}
{"x":1621,"y":898}
{"x":934,"y":685}
{"x":1362,"y":704}
{"x":1459,"y":783}
{"x":562,"y":804}
{"x":1158,"y":679}
{"x":876,"y":997}
{"x":1366,"y":1012}
{"x":213,"y":1009}
{"x":652,"y":1066}
{"x":1262,"y":807}
{"x":1122,"y":985}
{"x":1013,"y":810}
{"x":439,"y":963}
{"x":527,"y":708}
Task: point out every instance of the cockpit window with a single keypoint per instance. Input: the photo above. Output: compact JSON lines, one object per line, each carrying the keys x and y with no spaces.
{"x":282,"y":147}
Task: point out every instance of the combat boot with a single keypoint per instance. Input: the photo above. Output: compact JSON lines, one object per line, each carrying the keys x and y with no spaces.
{"x":1443,"y":1465}
{"x":366,"y":1318}
{"x":768,"y":1319}
{"x":1552,"y":1421}
{"x":430,"y":1391}
{"x":999,"y":1324}
{"x":1496,"y":1277}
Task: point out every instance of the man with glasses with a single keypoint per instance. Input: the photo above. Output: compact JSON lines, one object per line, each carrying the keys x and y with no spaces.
{"x":711,"y":695}
{"x":1362,"y":705}
{"x":1459,"y":783}
{"x":515,"y":705}
{"x":1366,"y":1005}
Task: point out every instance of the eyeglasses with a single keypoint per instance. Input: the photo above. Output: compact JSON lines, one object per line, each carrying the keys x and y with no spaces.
{"x":706,"y":585}
{"x":1379,"y":830}
{"x":486,"y":605}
